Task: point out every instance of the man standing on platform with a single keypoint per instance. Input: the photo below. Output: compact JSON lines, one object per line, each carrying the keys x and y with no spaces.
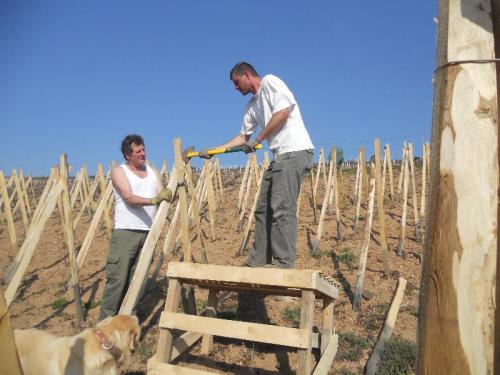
{"x":137,"y":192}
{"x":274,"y":109}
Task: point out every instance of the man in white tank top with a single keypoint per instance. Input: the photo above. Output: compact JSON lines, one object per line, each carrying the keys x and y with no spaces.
{"x":137,"y":192}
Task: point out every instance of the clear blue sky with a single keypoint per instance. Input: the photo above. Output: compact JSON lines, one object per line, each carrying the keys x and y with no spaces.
{"x":76,"y":76}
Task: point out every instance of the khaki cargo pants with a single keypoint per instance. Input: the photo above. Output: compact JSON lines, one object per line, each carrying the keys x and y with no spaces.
{"x":124,"y":250}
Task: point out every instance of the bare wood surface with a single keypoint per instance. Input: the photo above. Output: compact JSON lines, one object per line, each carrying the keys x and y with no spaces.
{"x":243,"y":184}
{"x":414,"y":192}
{"x":68,"y":232}
{"x":405,"y":171}
{"x":366,"y":243}
{"x":304,"y":355}
{"x":20,"y":199}
{"x":8,"y":213}
{"x":459,"y":273}
{"x":324,"y":365}
{"x":390,"y":320}
{"x":293,"y":337}
{"x":380,"y":210}
{"x":30,"y":242}
{"x":389,"y":165}
{"x":165,"y":338}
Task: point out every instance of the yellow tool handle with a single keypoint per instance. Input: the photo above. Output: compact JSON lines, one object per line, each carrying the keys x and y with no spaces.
{"x":217,"y":151}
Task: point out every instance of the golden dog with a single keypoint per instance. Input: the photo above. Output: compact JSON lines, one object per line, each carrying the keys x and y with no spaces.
{"x":97,"y":351}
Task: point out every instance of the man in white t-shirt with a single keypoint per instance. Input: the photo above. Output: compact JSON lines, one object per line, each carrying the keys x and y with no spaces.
{"x":137,"y":192}
{"x":273,"y":115}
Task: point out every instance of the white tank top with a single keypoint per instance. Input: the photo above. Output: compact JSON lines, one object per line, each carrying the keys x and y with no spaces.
{"x":136,"y":217}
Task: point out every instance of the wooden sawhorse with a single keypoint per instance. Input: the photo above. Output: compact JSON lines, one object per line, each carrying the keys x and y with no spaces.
{"x":308,"y":284}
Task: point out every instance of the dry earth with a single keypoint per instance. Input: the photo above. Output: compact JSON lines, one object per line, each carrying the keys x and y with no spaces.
{"x":44,"y":302}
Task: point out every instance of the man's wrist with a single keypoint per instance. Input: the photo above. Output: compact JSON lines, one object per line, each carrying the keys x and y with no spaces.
{"x":258,"y":139}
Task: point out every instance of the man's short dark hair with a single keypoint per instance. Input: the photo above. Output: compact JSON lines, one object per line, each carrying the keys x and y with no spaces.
{"x":128,"y":141}
{"x":241,"y":68}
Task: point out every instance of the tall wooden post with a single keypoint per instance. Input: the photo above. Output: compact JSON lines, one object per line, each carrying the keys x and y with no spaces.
{"x":380,"y":209}
{"x":8,"y":212}
{"x":68,"y":231}
{"x":457,"y":301}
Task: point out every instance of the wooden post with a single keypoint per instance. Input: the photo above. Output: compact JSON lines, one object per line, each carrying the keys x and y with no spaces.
{"x":359,"y":194}
{"x":87,"y":241}
{"x":385,"y":334}
{"x":406,"y":172}
{"x":304,"y":356}
{"x":328,"y":191}
{"x":8,"y":213}
{"x":404,"y":152}
{"x":414,"y":192}
{"x":20,"y":199}
{"x":28,"y":247}
{"x":252,"y":174}
{"x":389,"y":165}
{"x":366,"y":242}
{"x":459,"y":273}
{"x":68,"y":231}
{"x":243,"y":184}
{"x":380,"y":209}
{"x":321,"y":161}
{"x":313,"y":197}
{"x":211,"y":198}
{"x":335,"y":194}
{"x":423,"y":191}
{"x":254,"y":206}
{"x":195,"y":213}
{"x":358,"y":173}
{"x":25,"y":192}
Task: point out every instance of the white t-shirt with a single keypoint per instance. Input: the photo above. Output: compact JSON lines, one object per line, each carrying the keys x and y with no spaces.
{"x":136,"y":217}
{"x":272,"y":97}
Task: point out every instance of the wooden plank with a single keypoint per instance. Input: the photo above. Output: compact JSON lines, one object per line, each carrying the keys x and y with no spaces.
{"x":304,"y":355}
{"x":158,"y":368}
{"x":141,"y":271}
{"x":366,"y":242}
{"x":29,"y":244}
{"x":327,"y":326}
{"x":289,"y":278}
{"x":380,"y":210}
{"x":292,"y":337}
{"x":324,"y":366}
{"x":385,"y":334}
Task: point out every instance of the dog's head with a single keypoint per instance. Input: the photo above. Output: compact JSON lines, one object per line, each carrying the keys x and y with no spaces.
{"x":124,"y":332}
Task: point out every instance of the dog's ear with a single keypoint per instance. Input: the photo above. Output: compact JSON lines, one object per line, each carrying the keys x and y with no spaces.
{"x":135,"y":333}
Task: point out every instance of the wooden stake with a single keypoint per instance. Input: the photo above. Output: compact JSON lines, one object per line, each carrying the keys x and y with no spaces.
{"x":414,"y":192}
{"x":24,"y":190}
{"x":389,"y":164}
{"x":8,"y":213}
{"x":87,"y":241}
{"x":405,"y":206}
{"x":243,"y":184}
{"x":20,"y":199}
{"x":423,"y":191}
{"x":28,"y":247}
{"x":68,"y":231}
{"x":401,"y":171}
{"x":252,"y":174}
{"x":366,"y":242}
{"x":313,"y":197}
{"x":359,"y":194}
{"x":211,"y":199}
{"x":380,"y":209}
{"x":335,"y":194}
{"x":251,"y":213}
{"x":328,"y":191}
{"x":385,"y":334}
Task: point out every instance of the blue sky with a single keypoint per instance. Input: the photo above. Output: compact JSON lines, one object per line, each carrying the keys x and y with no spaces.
{"x":76,"y":76}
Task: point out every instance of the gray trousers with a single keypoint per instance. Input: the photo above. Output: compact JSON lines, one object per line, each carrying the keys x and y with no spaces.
{"x":123,"y":255}
{"x":276,"y":211}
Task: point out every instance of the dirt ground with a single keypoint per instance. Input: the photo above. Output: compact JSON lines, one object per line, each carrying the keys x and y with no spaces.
{"x":45,"y":302}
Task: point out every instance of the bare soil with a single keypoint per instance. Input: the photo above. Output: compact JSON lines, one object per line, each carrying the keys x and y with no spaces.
{"x":45,"y":302}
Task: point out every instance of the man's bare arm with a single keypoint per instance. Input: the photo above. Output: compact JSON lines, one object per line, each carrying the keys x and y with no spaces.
{"x":236,"y":141}
{"x":121,"y":184}
{"x":274,"y":125}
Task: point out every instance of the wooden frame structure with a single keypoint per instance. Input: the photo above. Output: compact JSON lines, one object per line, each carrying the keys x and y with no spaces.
{"x":308,"y":284}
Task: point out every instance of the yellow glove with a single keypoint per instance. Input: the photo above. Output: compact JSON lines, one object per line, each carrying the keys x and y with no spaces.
{"x":164,"y":195}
